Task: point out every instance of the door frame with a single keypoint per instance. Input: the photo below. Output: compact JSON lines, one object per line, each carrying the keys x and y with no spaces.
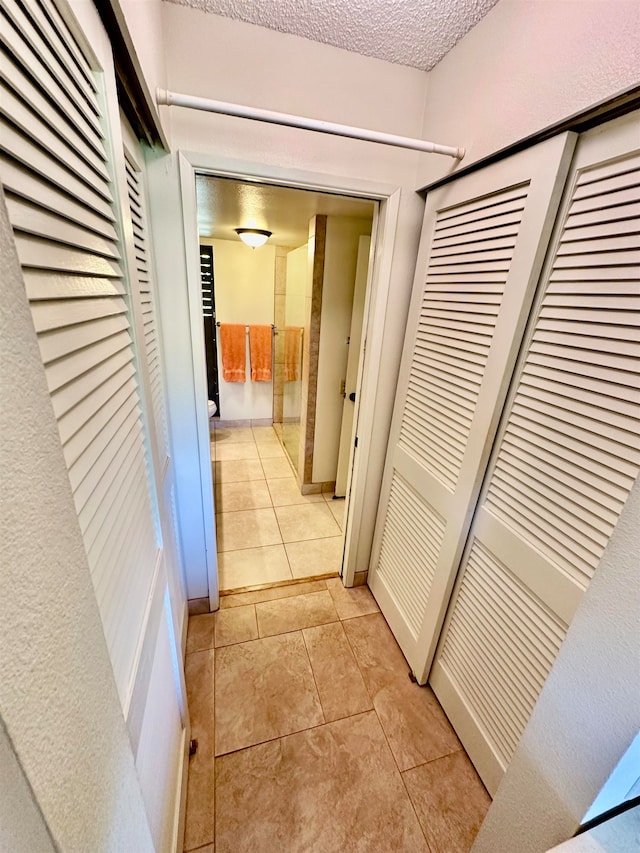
{"x":378,"y":287}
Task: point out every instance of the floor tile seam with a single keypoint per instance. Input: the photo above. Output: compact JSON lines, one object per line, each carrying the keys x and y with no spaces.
{"x":288,"y":734}
{"x":313,"y":674}
{"x":339,"y":622}
{"x":238,"y":642}
{"x":312,"y":539}
{"x":293,"y":630}
{"x":200,"y":846}
{"x":411,"y":803}
{"x":395,"y":761}
{"x":431,"y":760}
{"x":197,"y":651}
{"x":245,"y":509}
{"x":360,"y":670}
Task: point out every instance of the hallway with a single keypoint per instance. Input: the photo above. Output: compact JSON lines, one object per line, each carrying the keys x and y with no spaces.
{"x":267,"y":532}
{"x":321,"y":741}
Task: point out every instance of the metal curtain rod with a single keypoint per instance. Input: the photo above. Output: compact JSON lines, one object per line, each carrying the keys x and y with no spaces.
{"x":165,"y":97}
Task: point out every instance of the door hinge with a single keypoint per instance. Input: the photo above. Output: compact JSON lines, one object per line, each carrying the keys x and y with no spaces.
{"x":355,"y":444}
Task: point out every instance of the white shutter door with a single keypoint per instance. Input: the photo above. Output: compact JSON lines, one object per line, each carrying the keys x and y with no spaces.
{"x":567,"y":456}
{"x":147,"y":299}
{"x":58,"y":186}
{"x":482,"y":248}
{"x":144,"y":292}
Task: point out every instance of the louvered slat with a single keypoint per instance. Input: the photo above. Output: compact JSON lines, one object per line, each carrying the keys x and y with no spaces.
{"x":146,"y":294}
{"x":407,"y":555}
{"x":58,"y":187}
{"x":564,"y":463}
{"x":499,"y":648}
{"x":569,"y":390}
{"x":462,"y":297}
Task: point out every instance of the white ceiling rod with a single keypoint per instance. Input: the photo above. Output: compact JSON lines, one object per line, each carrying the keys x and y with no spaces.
{"x":165,"y":97}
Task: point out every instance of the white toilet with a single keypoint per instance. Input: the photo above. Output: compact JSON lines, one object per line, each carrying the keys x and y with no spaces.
{"x":212,"y":408}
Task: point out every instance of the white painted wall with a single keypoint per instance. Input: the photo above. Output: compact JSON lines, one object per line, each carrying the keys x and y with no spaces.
{"x":340,"y":260}
{"x":58,"y":700}
{"x":215,"y":57}
{"x":244,"y":283}
{"x":526,"y":65}
{"x":587,"y":714}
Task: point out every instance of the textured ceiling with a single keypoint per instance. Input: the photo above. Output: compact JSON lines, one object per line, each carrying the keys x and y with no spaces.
{"x":224,"y":205}
{"x":409,"y":32}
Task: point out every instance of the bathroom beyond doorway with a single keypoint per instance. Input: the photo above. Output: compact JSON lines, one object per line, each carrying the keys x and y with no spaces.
{"x":308,"y":282}
{"x":267,"y":531}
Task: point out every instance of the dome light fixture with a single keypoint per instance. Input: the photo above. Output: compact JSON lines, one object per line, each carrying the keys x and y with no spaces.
{"x":253,"y":237}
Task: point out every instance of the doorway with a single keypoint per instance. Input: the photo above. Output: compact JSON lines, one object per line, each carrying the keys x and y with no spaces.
{"x":279,"y":438}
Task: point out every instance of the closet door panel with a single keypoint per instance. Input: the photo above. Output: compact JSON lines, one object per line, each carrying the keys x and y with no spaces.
{"x":59,"y":178}
{"x":481,"y":251}
{"x":567,"y":454}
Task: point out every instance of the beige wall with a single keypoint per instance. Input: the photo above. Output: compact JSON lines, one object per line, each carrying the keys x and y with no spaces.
{"x":526,"y":65}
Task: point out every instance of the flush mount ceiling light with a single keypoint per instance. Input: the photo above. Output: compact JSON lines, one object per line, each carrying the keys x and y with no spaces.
{"x":253,"y":237}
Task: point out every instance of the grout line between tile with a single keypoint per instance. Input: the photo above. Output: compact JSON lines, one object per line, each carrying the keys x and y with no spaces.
{"x":293,"y":630}
{"x":289,"y":734}
{"x":375,"y":710}
{"x":413,"y":808}
{"x":313,"y":675}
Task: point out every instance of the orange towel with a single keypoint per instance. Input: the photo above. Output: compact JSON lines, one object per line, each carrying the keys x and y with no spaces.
{"x":260,"y":353}
{"x":292,"y":341}
{"x":233,"y":345}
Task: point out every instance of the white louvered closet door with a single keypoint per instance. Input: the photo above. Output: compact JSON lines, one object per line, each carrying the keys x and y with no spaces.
{"x":481,"y":253}
{"x":567,"y":454}
{"x":145,"y":299}
{"x":58,"y":181}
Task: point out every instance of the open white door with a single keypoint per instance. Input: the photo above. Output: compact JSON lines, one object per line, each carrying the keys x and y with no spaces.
{"x":355,"y":341}
{"x":482,"y":249}
{"x":566,"y":458}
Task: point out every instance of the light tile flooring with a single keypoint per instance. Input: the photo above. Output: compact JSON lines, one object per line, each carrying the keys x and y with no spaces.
{"x":267,"y":532}
{"x":319,"y":743}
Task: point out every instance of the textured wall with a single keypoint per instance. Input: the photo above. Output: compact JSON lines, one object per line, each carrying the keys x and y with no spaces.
{"x":526,"y":65}
{"x":22,"y":828}
{"x":58,"y":699}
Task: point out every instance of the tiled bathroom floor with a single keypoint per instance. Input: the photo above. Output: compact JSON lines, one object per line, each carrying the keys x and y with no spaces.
{"x":319,"y":742}
{"x":266,"y":530}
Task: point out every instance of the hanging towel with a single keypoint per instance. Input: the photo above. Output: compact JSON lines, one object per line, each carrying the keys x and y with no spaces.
{"x":260,"y":353}
{"x":233,"y":344}
{"x":292,"y":341}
